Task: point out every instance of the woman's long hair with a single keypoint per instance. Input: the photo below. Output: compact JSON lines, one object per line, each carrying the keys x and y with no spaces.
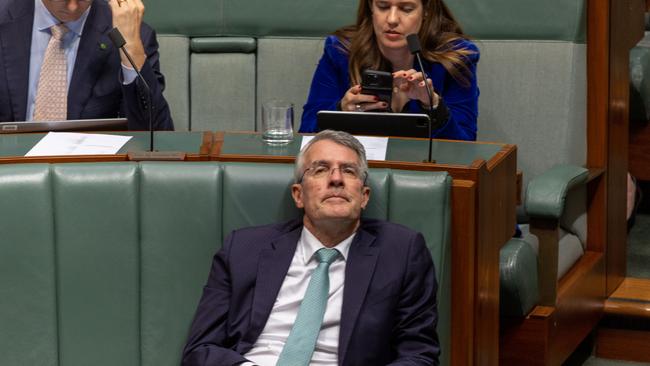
{"x":438,"y":35}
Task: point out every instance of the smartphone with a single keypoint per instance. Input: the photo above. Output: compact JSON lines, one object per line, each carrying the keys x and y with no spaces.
{"x":379,"y":83}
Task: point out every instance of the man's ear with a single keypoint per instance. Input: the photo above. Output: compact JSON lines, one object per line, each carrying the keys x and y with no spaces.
{"x":365,"y":196}
{"x":296,"y":193}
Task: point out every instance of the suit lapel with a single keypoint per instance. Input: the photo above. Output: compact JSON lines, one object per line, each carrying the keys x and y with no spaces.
{"x":94,"y":49}
{"x":358,"y":273}
{"x":273,"y":266}
{"x":16,"y":40}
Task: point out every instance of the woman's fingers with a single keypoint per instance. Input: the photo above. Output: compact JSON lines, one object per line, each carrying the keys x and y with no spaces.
{"x":353,"y":99}
{"x":374,"y":106}
{"x":363,"y":107}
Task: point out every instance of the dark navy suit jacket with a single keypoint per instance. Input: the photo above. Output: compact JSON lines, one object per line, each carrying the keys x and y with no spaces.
{"x":95,"y":90}
{"x":389,"y":312}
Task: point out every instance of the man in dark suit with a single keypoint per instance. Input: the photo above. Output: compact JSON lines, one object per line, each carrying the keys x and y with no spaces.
{"x":99,"y":82}
{"x":265,"y":302}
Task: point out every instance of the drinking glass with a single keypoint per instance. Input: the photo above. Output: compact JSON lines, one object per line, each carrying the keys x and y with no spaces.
{"x":277,"y":122}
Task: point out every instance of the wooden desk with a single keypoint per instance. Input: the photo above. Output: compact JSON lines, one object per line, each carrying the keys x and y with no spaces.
{"x":196,"y":145}
{"x":483,"y":219}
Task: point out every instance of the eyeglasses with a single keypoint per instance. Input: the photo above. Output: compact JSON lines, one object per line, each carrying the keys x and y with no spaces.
{"x":320,"y":170}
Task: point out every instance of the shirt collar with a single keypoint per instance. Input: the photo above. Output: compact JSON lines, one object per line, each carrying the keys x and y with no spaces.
{"x":44,"y":20}
{"x":310,"y":245}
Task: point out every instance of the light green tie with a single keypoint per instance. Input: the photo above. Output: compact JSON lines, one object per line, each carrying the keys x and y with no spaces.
{"x":302,"y":339}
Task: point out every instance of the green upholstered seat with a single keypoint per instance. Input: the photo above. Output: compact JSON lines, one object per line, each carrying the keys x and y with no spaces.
{"x":518,"y":276}
{"x":175,"y":65}
{"x":104,"y":263}
{"x":559,"y":195}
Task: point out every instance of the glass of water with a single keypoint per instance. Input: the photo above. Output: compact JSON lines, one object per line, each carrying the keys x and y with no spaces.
{"x":277,"y":122}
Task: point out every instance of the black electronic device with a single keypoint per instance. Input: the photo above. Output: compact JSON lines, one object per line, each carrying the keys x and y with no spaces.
{"x":375,"y":123}
{"x":86,"y":125}
{"x":378,"y":83}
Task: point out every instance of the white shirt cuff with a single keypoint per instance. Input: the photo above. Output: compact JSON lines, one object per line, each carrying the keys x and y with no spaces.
{"x":128,"y":74}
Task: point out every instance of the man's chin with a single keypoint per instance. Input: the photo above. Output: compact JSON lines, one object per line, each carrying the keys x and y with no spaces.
{"x":342,"y":216}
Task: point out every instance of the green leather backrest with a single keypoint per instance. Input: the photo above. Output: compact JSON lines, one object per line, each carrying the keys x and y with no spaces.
{"x":498,"y":19}
{"x":181,"y":214}
{"x":96,"y":235}
{"x":104,"y":263}
{"x":28,"y":286}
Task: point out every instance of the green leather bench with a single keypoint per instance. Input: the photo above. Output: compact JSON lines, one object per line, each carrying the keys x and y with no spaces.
{"x":104,"y":263}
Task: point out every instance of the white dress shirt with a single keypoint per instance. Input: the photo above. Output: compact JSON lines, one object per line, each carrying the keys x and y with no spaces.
{"x":268,"y":347}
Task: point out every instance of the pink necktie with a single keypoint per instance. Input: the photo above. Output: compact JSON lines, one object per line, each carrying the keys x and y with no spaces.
{"x":51,"y":95}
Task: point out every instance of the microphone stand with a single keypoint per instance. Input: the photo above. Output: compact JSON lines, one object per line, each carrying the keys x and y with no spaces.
{"x":118,"y":41}
{"x":414,"y":47}
{"x":431,"y":110}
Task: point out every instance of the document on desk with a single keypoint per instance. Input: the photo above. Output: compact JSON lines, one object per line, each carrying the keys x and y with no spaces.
{"x":375,"y":146}
{"x":70,"y":143}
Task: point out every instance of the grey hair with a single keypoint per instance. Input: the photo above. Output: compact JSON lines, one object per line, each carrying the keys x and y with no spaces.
{"x":339,"y":137}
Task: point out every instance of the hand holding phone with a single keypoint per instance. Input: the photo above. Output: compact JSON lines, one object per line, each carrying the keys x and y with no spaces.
{"x":378,"y":83}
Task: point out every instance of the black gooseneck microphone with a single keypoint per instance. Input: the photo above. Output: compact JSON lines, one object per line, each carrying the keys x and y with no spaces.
{"x":415,"y":49}
{"x":119,"y":42}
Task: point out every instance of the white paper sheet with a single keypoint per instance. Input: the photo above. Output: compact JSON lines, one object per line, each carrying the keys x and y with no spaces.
{"x":69,"y":143}
{"x":375,"y":146}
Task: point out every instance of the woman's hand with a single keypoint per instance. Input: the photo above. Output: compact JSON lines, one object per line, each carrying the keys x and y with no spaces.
{"x":354,"y":101}
{"x":411,"y":84}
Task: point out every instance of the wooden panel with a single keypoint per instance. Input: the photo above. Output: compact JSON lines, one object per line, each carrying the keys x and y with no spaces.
{"x":526,"y":341}
{"x":549,"y":335}
{"x":463,"y":198}
{"x":632,"y":298}
{"x":597,"y":111}
{"x":621,"y":344}
{"x":580,"y":305}
{"x":626,"y":29}
{"x":547,"y":232}
{"x":496,"y":224}
{"x":627,"y":308}
{"x":633,"y":288}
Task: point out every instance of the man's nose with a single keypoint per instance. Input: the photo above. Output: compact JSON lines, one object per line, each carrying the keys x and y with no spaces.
{"x":336,"y":178}
{"x":72,"y":5}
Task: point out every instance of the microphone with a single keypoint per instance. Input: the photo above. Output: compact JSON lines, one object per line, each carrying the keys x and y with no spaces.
{"x":119,"y":42}
{"x":415,"y":49}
